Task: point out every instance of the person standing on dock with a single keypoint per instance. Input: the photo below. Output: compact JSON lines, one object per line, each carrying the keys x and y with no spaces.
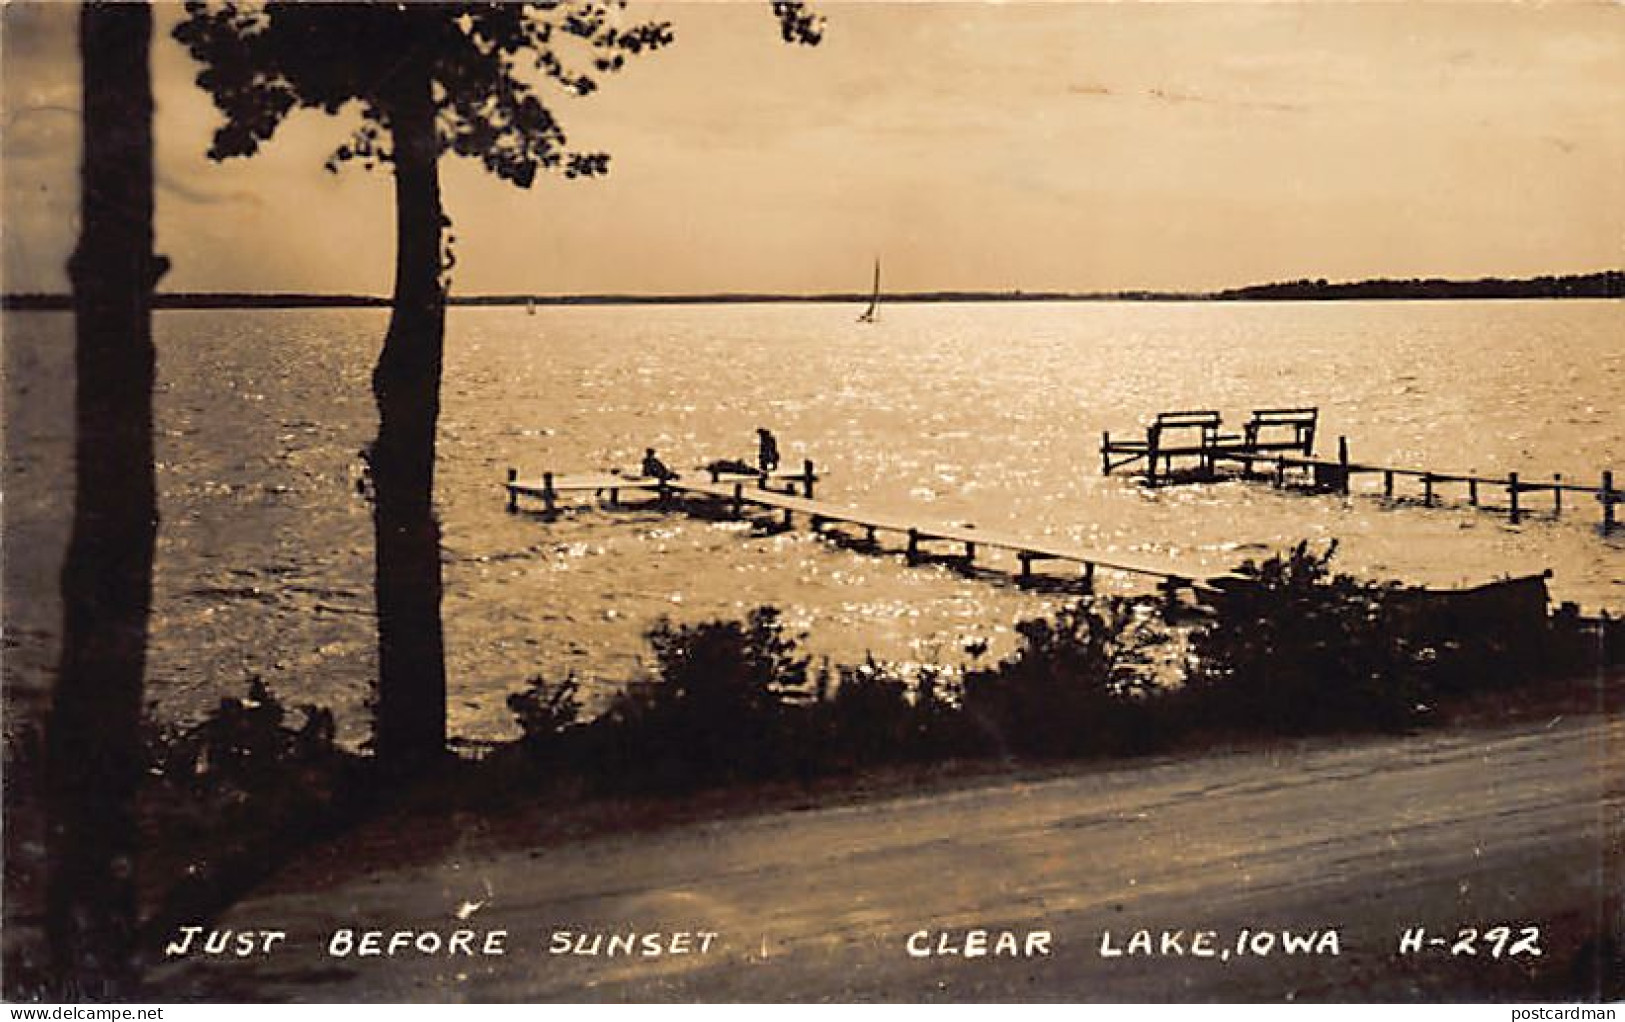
{"x":767,"y":450}
{"x":654,"y":468}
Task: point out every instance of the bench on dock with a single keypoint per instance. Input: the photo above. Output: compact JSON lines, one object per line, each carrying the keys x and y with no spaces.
{"x":1170,"y":435}
{"x":1270,"y":433}
{"x":1287,"y":430}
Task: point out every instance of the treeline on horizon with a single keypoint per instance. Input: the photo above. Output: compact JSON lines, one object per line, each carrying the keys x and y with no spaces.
{"x":1603,"y":284}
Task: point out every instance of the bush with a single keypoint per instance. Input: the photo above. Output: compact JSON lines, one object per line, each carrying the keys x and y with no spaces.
{"x":719,"y":709}
{"x":245,"y":748}
{"x":876,"y":715}
{"x":1297,"y":649}
{"x":1079,"y":683}
{"x":545,"y":713}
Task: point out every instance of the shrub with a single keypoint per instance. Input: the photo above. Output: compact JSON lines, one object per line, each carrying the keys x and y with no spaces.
{"x":245,"y":747}
{"x":1295,"y":649}
{"x":545,"y":713}
{"x":876,"y":714}
{"x":1078,"y":683}
{"x":719,"y":708}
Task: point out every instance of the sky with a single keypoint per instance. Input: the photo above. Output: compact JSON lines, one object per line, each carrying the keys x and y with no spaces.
{"x":989,"y":146}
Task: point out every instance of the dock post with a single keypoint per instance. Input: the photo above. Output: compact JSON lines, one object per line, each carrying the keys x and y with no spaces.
{"x":1512,"y":496}
{"x":807,"y":478}
{"x":1388,"y":483}
{"x":513,"y":498}
{"x":970,"y":553}
{"x":548,"y":496}
{"x":1088,"y":576}
{"x":913,"y":546}
{"x":1026,"y":560}
{"x":1607,"y":496}
{"x":739,"y":500}
{"x":788,"y":518}
{"x":869,"y":535}
{"x":716,"y":473}
{"x":1105,"y":452}
{"x":1472,"y":490}
{"x":1343,"y":464}
{"x":1427,"y":489}
{"x":1557,"y":493}
{"x":1280,"y":472}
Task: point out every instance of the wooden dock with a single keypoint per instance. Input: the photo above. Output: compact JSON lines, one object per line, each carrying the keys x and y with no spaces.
{"x":550,"y":487}
{"x":1278,"y":444}
{"x":738,"y":495}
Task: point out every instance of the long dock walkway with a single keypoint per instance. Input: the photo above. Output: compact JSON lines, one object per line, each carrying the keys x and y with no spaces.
{"x":738,"y":494}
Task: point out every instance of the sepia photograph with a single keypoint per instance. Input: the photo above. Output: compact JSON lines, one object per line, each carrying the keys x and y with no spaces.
{"x":732,"y":502}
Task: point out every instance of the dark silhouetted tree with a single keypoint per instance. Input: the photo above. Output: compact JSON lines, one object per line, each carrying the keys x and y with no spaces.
{"x":426,"y":79}
{"x":94,"y":757}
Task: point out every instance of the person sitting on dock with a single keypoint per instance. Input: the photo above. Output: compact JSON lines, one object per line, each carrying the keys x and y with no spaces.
{"x":767,"y":450}
{"x":654,"y":468}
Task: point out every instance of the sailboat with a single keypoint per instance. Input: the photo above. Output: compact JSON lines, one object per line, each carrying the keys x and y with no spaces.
{"x":868,"y":315}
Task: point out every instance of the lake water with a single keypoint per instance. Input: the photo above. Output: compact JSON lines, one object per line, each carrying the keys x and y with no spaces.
{"x":973,"y":413}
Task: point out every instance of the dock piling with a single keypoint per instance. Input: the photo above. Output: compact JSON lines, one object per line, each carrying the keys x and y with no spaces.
{"x":1343,"y":464}
{"x":1512,"y":497}
{"x":739,"y":501}
{"x":1606,"y":495}
{"x":513,"y":497}
{"x":1088,"y":576}
{"x":1388,"y":483}
{"x":913,"y":546}
{"x":1472,"y":490}
{"x":1427,"y":489}
{"x":807,"y":476}
{"x":549,"y":496}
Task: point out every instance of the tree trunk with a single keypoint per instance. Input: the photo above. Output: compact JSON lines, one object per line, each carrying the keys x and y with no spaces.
{"x":411,"y":704}
{"x":94,"y":755}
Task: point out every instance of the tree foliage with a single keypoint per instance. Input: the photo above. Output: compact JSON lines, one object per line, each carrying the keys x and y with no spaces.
{"x":492,"y":64}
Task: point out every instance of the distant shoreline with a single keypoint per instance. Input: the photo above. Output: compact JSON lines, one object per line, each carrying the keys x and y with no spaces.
{"x":1607,"y":284}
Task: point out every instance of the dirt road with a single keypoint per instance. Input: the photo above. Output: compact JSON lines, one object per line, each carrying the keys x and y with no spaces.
{"x":1348,"y":845}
